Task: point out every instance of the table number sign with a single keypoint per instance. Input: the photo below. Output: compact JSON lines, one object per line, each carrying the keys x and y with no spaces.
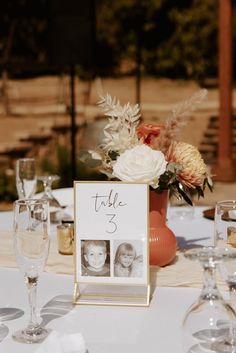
{"x":111,"y":243}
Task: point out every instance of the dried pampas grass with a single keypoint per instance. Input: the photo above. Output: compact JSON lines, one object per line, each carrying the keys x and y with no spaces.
{"x":180,"y":114}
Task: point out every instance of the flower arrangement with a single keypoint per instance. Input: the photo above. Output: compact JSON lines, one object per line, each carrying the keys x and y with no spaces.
{"x":139,"y":152}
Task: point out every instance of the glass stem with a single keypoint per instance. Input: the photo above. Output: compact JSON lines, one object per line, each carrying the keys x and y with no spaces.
{"x":209,"y":289}
{"x":47,"y":188}
{"x":30,"y":218}
{"x":232,"y":294}
{"x":232,"y":300}
{"x":32,"y":291}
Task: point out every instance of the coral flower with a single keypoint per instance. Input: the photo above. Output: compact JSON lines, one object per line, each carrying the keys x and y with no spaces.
{"x":148,"y":132}
{"x":194,"y":170}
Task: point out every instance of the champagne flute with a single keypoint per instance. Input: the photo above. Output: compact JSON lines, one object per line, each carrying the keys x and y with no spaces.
{"x":25,"y":177}
{"x":31,"y":243}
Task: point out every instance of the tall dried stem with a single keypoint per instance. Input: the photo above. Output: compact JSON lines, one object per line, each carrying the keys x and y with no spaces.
{"x":180,"y":115}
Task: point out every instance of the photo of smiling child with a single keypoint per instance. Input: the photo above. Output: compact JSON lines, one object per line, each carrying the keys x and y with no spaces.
{"x":94,"y":258}
{"x":127,"y":262}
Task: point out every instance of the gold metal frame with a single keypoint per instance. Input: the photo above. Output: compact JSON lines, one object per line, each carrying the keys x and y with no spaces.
{"x":97,"y":293}
{"x":115,"y":297}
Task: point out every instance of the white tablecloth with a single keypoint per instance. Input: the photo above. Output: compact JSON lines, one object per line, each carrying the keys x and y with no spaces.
{"x":107,"y":329}
{"x":198,"y":230}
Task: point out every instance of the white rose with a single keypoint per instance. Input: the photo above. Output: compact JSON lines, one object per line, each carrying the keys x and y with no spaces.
{"x":140,"y":164}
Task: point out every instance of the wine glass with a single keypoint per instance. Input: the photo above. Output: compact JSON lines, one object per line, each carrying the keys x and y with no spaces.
{"x":201,"y":330}
{"x":54,"y":204}
{"x":228,"y":273}
{"x":31,"y":243}
{"x":225,"y":234}
{"x":25,"y":177}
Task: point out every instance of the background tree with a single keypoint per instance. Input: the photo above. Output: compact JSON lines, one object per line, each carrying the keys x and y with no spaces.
{"x":168,"y":38}
{"x":193,"y":46}
{"x":177,"y":39}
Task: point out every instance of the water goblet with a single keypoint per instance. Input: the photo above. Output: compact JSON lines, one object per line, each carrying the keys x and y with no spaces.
{"x":201,"y":331}
{"x":25,"y":177}
{"x":31,"y":244}
{"x":225,"y":222}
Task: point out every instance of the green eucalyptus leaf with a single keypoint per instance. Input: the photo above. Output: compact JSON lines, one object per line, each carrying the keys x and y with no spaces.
{"x":184,"y":194}
{"x":87,"y":158}
{"x":174,"y":168}
{"x":113,"y":155}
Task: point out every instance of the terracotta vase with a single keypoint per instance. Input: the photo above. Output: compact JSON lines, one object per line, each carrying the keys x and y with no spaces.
{"x":162,"y":241}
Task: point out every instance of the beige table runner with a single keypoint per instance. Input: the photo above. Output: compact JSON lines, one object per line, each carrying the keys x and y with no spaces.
{"x":181,"y":273}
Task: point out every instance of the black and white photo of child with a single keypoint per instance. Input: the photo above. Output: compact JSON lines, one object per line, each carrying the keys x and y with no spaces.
{"x":95,"y":258}
{"x":128,"y":260}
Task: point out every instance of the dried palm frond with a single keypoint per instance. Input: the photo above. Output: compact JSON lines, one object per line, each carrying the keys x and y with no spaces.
{"x":120,"y":132}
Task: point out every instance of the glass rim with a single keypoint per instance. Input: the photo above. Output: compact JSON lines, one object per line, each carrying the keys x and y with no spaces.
{"x":226,"y":202}
{"x":33,"y":201}
{"x":50,"y":176}
{"x":26,"y":159}
{"x":207,"y":252}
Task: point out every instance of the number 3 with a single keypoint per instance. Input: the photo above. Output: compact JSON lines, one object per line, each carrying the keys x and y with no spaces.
{"x":113,"y":224}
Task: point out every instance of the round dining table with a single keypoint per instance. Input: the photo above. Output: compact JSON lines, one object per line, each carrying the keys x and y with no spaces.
{"x":106,"y":329}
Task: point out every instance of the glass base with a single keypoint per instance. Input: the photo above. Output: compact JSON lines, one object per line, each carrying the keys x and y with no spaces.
{"x":227,"y":346}
{"x":36,"y":335}
{"x":211,"y":335}
{"x":201,"y":348}
{"x":3,"y":331}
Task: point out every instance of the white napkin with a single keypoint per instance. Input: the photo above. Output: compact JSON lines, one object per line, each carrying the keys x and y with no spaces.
{"x":57,"y":342}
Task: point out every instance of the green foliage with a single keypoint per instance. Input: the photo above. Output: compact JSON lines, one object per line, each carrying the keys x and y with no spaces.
{"x":194,"y":41}
{"x":62,"y":167}
{"x":7,"y":187}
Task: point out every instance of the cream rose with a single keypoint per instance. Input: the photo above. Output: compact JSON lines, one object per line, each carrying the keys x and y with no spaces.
{"x":140,"y":164}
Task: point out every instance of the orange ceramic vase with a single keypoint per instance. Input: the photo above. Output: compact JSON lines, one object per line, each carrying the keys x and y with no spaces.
{"x":162,"y":241}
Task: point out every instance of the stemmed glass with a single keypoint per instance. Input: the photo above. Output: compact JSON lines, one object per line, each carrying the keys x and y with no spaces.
{"x":54,"y":204}
{"x":228,"y":273}
{"x":225,"y":233}
{"x":201,"y":331}
{"x":31,"y":243}
{"x":25,"y":177}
